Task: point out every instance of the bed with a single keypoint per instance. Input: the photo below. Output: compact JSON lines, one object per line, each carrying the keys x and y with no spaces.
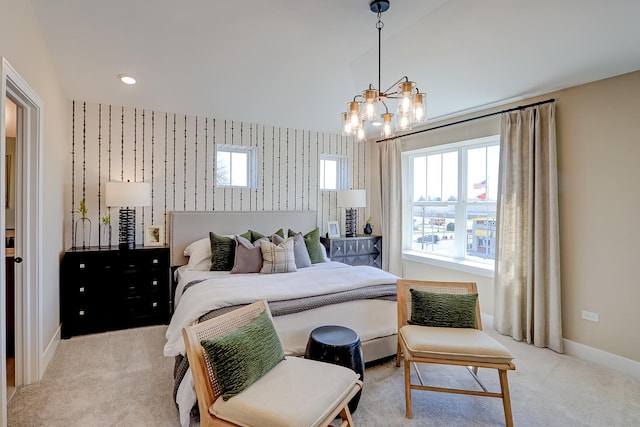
{"x":359,"y":297}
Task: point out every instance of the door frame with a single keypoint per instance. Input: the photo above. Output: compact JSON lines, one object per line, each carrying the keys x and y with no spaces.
{"x":28,"y":307}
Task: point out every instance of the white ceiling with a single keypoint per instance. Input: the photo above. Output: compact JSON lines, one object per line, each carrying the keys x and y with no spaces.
{"x":295,"y":63}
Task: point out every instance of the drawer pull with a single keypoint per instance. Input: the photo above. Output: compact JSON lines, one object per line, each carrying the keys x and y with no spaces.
{"x":82,"y":266}
{"x":155,"y":304}
{"x":132,"y":266}
{"x":154,"y":283}
{"x":155,"y":261}
{"x":81,"y":289}
{"x":81,"y":312}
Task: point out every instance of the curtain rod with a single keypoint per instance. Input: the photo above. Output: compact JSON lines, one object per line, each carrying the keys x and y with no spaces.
{"x":522,"y":107}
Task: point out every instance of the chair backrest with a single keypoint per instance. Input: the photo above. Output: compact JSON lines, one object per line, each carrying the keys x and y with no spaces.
{"x":207,"y":389}
{"x":404,"y":295}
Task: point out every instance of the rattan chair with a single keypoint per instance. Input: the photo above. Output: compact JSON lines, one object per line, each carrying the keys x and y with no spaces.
{"x":296,"y":392}
{"x":467,"y":347}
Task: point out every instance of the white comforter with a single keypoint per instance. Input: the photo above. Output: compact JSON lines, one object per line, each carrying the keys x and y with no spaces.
{"x":234,"y":289}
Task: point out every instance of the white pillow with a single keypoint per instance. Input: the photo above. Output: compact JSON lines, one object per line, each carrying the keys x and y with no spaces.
{"x":199,"y":253}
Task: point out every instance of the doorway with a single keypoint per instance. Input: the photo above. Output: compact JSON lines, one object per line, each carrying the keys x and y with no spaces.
{"x":29,"y":363}
{"x":11,"y":138}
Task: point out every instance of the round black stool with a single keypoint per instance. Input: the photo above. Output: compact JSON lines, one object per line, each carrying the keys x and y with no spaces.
{"x":338,"y":345}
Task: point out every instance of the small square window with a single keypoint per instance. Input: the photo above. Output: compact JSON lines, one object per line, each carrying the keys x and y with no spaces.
{"x":334,"y":173}
{"x":236,"y":166}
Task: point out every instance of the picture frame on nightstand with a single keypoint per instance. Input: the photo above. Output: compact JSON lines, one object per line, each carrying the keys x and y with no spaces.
{"x":154,"y":235}
{"x":334,"y":229}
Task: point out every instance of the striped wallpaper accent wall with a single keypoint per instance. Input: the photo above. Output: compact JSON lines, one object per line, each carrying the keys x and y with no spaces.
{"x":176,"y":154}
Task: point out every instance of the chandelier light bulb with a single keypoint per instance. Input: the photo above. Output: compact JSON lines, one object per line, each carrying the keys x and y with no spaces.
{"x":419,"y":108}
{"x":347,"y":130}
{"x":404,"y":122}
{"x":360,"y":134}
{"x":387,"y":125}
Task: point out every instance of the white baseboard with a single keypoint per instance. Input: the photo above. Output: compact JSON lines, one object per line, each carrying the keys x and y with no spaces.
{"x":49,"y":351}
{"x":602,"y":358}
{"x":591,"y":354}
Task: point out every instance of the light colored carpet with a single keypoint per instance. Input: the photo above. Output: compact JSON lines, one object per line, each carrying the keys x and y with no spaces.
{"x":121,"y":379}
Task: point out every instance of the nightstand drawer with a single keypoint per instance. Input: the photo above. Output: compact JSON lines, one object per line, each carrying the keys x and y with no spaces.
{"x":360,"y":250}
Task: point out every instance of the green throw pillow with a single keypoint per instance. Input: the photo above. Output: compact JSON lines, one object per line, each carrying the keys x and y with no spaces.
{"x":243,"y":356}
{"x":256,"y":236}
{"x":223,"y":252}
{"x":443,"y":310}
{"x":312,"y":241}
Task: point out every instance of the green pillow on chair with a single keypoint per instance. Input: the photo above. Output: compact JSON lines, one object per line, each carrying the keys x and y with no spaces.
{"x":244,"y":355}
{"x":443,"y":310}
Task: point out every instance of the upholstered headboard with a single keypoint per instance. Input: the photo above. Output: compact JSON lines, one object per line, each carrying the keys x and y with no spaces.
{"x":189,"y":226}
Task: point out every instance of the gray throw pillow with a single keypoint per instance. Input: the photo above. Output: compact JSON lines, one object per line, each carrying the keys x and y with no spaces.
{"x":443,"y":310}
{"x":248,"y":256}
{"x":312,"y":241}
{"x":300,"y":252}
{"x":245,"y":355}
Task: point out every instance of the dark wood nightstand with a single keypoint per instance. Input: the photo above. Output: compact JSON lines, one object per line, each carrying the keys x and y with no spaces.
{"x":107,"y":289}
{"x":360,"y":250}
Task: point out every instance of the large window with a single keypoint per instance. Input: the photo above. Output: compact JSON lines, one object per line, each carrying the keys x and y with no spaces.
{"x":236,"y":166}
{"x":334,"y":173}
{"x":451,"y":194}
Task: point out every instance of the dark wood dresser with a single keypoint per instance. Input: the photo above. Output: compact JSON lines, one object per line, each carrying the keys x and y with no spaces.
{"x":107,"y":289}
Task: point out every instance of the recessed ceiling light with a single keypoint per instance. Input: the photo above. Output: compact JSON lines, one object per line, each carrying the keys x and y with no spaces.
{"x":127,"y":79}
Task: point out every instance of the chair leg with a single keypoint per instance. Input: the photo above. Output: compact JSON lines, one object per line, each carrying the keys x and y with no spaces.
{"x":407,"y":388}
{"x":345,"y":415}
{"x":506,"y":399}
{"x":398,"y":355}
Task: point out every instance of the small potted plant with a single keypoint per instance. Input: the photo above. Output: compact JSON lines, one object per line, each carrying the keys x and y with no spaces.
{"x":82,"y":226}
{"x":368,"y":228}
{"x":105,"y":232}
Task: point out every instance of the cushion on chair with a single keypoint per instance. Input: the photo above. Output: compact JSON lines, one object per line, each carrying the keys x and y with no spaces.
{"x":297,"y":392}
{"x":442,"y":309}
{"x":464,"y":344}
{"x":244,"y":355}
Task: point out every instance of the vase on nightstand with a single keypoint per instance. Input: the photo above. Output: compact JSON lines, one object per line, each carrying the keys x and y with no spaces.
{"x":368,"y":229}
{"x":82,"y":232}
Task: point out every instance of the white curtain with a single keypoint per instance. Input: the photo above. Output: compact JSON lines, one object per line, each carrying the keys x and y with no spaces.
{"x":527,"y":278}
{"x":391,"y":205}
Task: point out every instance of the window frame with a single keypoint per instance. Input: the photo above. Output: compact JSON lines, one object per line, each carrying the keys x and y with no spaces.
{"x":464,"y":263}
{"x":342,"y":172}
{"x":252,"y":164}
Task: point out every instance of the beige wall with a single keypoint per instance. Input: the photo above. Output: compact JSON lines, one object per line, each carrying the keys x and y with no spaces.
{"x":598,"y":128}
{"x":21,"y":43}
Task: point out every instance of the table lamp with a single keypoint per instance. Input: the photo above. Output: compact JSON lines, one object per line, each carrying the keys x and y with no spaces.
{"x":127,"y":195}
{"x":350,"y":200}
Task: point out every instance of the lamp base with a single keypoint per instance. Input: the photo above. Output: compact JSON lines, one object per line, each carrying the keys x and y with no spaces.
{"x":127,"y":233}
{"x":351,"y":223}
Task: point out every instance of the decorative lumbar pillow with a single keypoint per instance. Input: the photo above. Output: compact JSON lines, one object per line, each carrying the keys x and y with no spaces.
{"x":277,"y":258}
{"x":243,"y":356}
{"x":199,"y":253}
{"x":248,"y":257}
{"x":312,"y":241}
{"x":443,"y":310}
{"x":223,"y":252}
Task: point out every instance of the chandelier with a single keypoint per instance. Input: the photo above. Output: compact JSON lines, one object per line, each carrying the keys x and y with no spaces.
{"x":371,"y":106}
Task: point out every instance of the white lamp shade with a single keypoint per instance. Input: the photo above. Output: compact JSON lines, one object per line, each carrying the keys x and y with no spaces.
{"x":352,"y":198}
{"x":128,"y":194}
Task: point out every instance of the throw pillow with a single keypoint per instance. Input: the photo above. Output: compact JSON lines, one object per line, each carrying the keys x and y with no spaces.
{"x":223,"y":252}
{"x":277,"y":258}
{"x":312,"y":241}
{"x":245,"y":355}
{"x":443,"y":310}
{"x":255,"y":235}
{"x":248,"y":256}
{"x":199,"y":253}
{"x":300,"y":252}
